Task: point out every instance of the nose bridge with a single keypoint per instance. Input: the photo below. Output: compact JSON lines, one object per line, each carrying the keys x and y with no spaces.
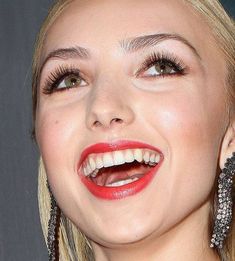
{"x":108,"y":104}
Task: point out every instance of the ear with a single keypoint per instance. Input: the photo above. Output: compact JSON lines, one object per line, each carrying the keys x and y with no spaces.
{"x":228,"y":145}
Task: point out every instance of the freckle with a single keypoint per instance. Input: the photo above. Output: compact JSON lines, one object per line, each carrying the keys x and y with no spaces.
{"x":56,"y":122}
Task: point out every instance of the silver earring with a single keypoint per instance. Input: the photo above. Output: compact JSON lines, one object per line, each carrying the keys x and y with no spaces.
{"x":223,"y":216}
{"x":53,"y":229}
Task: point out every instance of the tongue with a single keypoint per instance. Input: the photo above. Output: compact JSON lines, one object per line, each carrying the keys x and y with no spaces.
{"x":121,"y":176}
{"x":123,"y":172}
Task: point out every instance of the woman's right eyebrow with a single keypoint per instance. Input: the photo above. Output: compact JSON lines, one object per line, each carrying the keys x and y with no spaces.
{"x":67,"y":53}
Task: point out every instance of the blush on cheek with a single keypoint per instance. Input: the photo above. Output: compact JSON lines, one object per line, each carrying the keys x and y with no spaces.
{"x":188,"y":119}
{"x":182,"y":124}
{"x":49,"y":134}
{"x":192,"y":155}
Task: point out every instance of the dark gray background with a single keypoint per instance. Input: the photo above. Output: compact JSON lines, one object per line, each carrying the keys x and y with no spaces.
{"x":20,"y":232}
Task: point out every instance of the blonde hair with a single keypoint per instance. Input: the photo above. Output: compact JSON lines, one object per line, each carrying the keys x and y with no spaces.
{"x":73,"y":245}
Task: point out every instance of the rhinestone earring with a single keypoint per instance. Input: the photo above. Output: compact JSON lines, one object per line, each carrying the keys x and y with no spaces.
{"x":53,"y":229}
{"x":223,"y":215}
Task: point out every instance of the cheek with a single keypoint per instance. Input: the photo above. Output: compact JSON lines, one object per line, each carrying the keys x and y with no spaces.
{"x":186,"y":118}
{"x":192,"y":134}
{"x":57,"y":131}
{"x":51,"y":133}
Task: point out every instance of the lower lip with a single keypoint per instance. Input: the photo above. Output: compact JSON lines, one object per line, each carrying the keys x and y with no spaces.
{"x":113,"y":193}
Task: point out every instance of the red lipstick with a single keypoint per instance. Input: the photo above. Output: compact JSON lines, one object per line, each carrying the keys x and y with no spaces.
{"x":118,"y":192}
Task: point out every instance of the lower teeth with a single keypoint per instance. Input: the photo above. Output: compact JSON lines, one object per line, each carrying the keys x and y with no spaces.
{"x":121,"y":182}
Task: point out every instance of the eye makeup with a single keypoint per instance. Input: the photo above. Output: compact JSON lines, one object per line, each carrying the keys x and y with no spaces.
{"x":57,"y":76}
{"x":155,"y":65}
{"x":167,"y":65}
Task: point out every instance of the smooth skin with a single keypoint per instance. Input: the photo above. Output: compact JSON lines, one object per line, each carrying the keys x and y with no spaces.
{"x":185,"y":116}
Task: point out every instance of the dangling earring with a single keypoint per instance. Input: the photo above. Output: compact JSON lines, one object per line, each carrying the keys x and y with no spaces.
{"x":223,"y":216}
{"x":53,"y":229}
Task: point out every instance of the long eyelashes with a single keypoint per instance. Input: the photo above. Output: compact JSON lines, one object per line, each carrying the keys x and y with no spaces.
{"x":57,"y":76}
{"x":162,"y":64}
{"x":163,"y":61}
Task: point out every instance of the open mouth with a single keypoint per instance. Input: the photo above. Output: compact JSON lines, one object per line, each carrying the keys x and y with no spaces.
{"x":119,"y":168}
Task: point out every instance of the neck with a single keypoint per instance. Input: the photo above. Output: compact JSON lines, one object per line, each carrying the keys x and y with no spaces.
{"x":188,"y":240}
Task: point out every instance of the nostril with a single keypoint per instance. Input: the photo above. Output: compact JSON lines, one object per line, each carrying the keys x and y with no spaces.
{"x":107,"y":123}
{"x":97,"y":124}
{"x":116,"y":120}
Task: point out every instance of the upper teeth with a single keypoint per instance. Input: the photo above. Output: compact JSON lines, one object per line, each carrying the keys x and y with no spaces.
{"x":94,"y":162}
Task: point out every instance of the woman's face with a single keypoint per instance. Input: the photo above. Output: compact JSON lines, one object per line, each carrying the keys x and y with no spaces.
{"x":145,"y":76}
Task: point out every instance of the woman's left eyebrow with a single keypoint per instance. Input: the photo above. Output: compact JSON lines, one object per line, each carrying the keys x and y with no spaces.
{"x":142,"y":42}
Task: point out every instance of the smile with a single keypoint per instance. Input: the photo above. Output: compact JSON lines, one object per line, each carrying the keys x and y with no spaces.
{"x":120,"y":169}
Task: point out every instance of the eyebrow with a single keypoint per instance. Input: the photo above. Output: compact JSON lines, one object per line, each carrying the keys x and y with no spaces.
{"x":129,"y":45}
{"x":142,"y":42}
{"x":67,"y":53}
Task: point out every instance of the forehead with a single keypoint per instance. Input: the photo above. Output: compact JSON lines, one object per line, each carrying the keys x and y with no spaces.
{"x":103,"y":23}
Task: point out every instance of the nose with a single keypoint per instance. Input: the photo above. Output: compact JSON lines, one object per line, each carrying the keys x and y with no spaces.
{"x":108,"y":108}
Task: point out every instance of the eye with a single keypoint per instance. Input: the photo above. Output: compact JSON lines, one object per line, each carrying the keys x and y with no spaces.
{"x":62,"y":79}
{"x":71,"y":81}
{"x":161,"y":68}
{"x":161,"y":65}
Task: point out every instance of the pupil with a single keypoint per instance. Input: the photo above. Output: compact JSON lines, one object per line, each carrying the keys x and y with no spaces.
{"x":162,"y":67}
{"x":73,"y":81}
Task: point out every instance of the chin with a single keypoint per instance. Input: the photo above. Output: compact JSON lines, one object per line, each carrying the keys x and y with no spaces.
{"x":123,"y":233}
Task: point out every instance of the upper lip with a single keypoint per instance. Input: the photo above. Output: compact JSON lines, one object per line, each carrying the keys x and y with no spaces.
{"x":114,"y":146}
